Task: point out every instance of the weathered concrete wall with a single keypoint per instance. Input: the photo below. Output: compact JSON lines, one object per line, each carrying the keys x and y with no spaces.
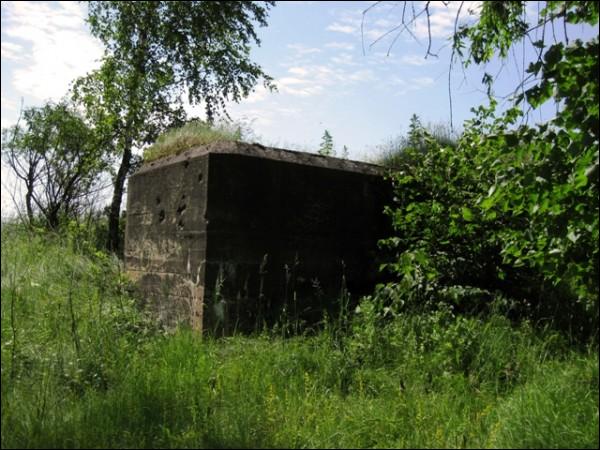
{"x":165,"y":237}
{"x":227,"y":235}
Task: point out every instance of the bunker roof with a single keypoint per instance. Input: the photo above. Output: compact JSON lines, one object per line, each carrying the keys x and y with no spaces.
{"x":260,"y":151}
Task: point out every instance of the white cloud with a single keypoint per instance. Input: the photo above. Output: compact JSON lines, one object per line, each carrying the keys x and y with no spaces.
{"x":6,"y":123}
{"x":374,"y":34}
{"x":314,"y":79}
{"x":415,"y":60}
{"x":287,"y":81}
{"x":259,"y":94}
{"x":61,"y":48}
{"x":368,"y":28}
{"x":353,"y":22}
{"x":340,"y":45}
{"x":298,"y":71}
{"x":287,"y":111}
{"x":423,"y":81}
{"x":258,"y":117}
{"x":443,"y":18}
{"x":307,"y":91}
{"x":361,"y":75}
{"x":344,"y":59}
{"x":340,"y":28}
{"x":298,"y":87}
{"x":385,"y":21}
{"x":12,"y":51}
{"x":9,"y":104}
{"x":265,"y":119}
{"x":403,"y":86}
{"x":303,"y":50}
{"x":72,"y":8}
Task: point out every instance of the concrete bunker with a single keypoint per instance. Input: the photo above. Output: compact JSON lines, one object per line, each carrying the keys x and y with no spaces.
{"x":228,"y":236}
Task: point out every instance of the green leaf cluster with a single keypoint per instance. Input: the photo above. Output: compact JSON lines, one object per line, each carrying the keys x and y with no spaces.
{"x":326,"y":146}
{"x":156,"y":54}
{"x":59,"y":159}
{"x":513,"y":209}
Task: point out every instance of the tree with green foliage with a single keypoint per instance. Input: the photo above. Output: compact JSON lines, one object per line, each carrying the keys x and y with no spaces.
{"x":326,"y":147}
{"x":513,"y":210}
{"x":155,"y":53}
{"x":345,"y":152}
{"x":415,"y":138}
{"x":57,"y":157}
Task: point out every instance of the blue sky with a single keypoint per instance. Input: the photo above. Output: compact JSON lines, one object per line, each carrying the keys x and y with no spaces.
{"x":328,"y":74}
{"x":314,"y":50}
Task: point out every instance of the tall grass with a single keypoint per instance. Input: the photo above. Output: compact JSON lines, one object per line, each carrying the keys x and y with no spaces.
{"x":191,"y":135}
{"x":420,"y":380}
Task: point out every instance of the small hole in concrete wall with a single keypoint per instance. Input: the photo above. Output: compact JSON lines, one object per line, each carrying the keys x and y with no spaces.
{"x":200,"y":177}
{"x":181,"y":208}
{"x":180,"y":224}
{"x":161,"y":216}
{"x":158,"y":199}
{"x":186,"y":163}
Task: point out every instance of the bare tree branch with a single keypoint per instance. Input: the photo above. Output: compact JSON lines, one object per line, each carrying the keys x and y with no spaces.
{"x":451,"y":65}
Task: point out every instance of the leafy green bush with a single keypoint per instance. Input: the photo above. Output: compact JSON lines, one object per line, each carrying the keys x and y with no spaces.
{"x":512,"y":209}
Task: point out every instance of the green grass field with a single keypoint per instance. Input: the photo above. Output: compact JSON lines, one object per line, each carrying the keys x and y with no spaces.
{"x":83,"y":367}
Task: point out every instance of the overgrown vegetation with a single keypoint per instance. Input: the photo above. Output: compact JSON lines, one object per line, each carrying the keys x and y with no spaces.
{"x":155,"y":54}
{"x":511,"y":211}
{"x":191,"y":135}
{"x":487,"y":337}
{"x":326,"y":146}
{"x":403,"y":149}
{"x":58,"y":158}
{"x":83,"y":367}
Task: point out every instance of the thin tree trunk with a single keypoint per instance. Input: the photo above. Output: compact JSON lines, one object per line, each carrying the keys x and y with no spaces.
{"x":28,"y":196}
{"x":29,"y":183}
{"x":114,"y":238}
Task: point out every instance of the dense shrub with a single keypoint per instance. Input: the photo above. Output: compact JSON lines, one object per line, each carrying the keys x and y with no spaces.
{"x":513,"y":209}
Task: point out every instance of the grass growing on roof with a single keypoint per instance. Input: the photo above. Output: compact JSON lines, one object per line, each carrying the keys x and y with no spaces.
{"x":190,"y":135}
